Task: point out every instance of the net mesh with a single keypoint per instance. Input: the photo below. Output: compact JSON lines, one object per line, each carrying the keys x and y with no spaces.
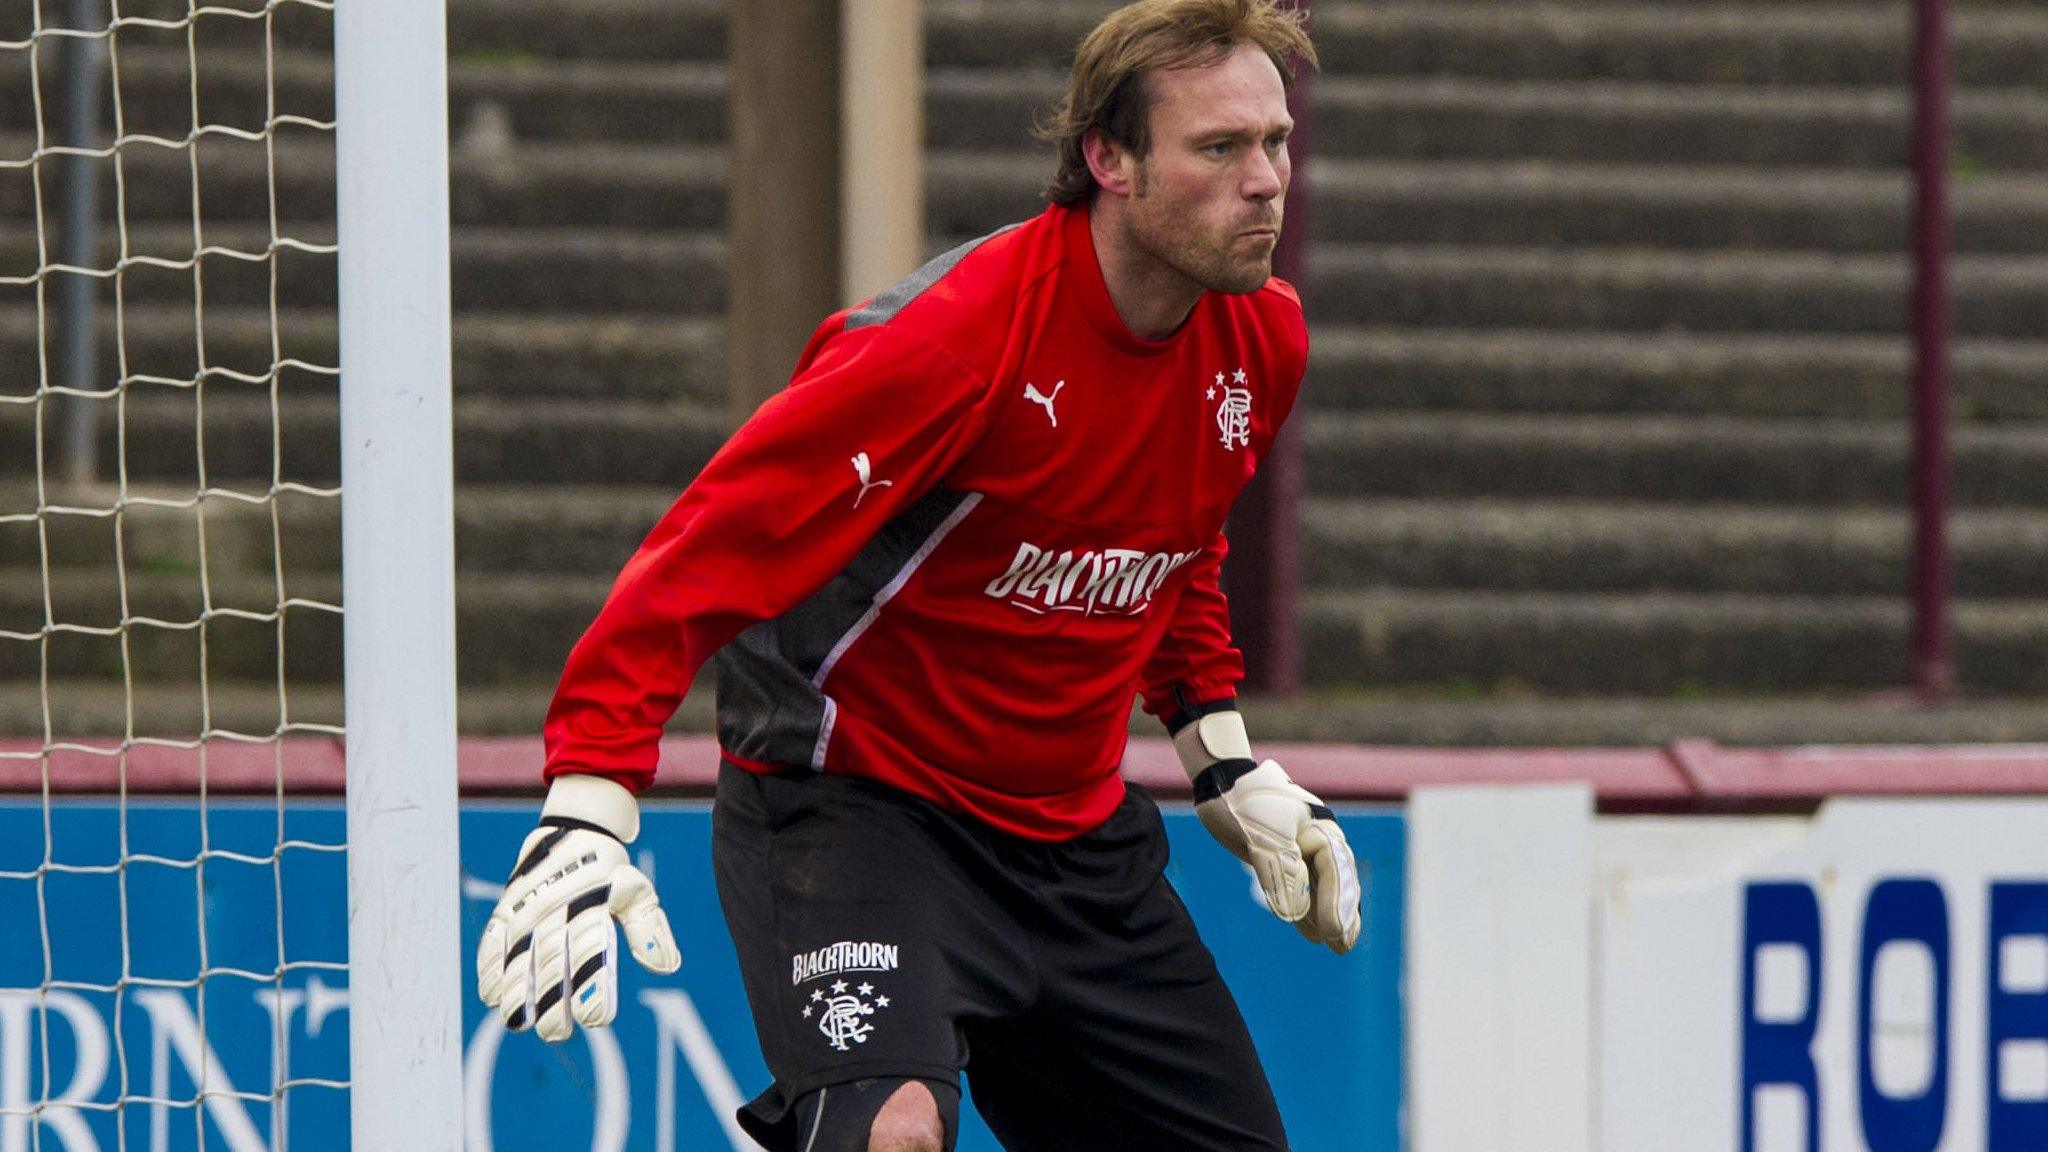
{"x":168,"y":521}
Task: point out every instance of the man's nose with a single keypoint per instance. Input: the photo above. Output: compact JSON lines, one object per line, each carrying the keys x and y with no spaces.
{"x":1263,"y":180}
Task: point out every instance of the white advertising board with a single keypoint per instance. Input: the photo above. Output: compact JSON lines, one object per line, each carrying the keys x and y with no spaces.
{"x":1499,"y":931}
{"x":1875,"y":978}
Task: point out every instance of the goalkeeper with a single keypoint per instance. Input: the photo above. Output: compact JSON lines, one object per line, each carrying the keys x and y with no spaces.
{"x":932,"y":573}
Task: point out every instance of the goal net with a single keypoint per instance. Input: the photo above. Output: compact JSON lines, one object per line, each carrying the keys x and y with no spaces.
{"x":183,"y":279}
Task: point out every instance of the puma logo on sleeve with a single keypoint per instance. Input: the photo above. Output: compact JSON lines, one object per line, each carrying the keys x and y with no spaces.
{"x":863,"y":470}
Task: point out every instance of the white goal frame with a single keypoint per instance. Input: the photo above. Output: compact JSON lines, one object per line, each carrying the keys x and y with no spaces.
{"x":398,"y":573}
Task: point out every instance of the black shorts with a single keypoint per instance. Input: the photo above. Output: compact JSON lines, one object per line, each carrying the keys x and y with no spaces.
{"x":879,"y":936}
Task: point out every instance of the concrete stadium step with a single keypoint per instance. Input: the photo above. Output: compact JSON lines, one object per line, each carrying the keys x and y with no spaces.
{"x":516,"y":630}
{"x":100,"y":711}
{"x":1546,"y":546}
{"x":556,"y":529}
{"x":986,"y":109}
{"x":236,"y":269}
{"x":969,"y":194}
{"x":1592,"y":373}
{"x":652,"y":30}
{"x":621,"y":270}
{"x":170,"y":632}
{"x":492,"y":183}
{"x":1994,"y":131}
{"x":1660,"y":291}
{"x":295,"y":23}
{"x":1650,"y":644}
{"x":673,"y":359}
{"x":161,"y":342}
{"x":245,"y":442}
{"x":1638,"y":205}
{"x":1595,"y":122}
{"x":672,"y":101}
{"x":616,"y":442}
{"x":1810,"y":44}
{"x":557,"y":184}
{"x":529,"y":97}
{"x":1660,"y":458}
{"x":1520,"y":203}
{"x":552,"y":269}
{"x":509,"y":629}
{"x":157,"y":88}
{"x":1766,"y":6}
{"x":487,"y":30}
{"x":500,"y":529}
{"x":154,"y":529}
{"x":1520,"y":719}
{"x":510,"y":354}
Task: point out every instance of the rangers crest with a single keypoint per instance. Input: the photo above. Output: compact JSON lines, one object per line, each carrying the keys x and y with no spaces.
{"x":843,"y":1014}
{"x":1233,"y":409}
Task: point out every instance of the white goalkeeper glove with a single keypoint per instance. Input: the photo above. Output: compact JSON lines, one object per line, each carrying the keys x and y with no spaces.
{"x":1291,"y":840}
{"x":551,"y":950}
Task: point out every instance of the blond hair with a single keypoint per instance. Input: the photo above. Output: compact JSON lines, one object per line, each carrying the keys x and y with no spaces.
{"x":1106,"y":88}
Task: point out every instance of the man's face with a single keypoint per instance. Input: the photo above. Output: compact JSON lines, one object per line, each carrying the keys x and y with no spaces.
{"x":1206,"y":199}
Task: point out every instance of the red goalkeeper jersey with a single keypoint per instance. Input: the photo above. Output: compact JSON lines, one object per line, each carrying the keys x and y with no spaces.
{"x":982,"y":515}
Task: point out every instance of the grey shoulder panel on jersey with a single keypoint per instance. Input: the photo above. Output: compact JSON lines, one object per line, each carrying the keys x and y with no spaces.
{"x":769,"y":707}
{"x":893,"y":299}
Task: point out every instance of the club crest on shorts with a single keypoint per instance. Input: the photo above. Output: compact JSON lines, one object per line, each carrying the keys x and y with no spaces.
{"x":1233,"y":409}
{"x":843,"y":1012}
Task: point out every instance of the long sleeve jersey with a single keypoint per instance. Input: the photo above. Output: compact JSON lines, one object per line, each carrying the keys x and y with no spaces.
{"x":982,"y":515}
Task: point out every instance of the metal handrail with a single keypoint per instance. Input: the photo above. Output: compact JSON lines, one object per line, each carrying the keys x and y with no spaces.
{"x":85,"y":68}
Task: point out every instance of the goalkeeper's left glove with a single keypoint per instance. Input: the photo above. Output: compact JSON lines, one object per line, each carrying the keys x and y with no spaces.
{"x":1291,"y":840}
{"x":550,"y":952}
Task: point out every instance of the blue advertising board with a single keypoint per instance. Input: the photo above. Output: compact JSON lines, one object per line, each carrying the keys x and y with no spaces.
{"x":110,"y":1038}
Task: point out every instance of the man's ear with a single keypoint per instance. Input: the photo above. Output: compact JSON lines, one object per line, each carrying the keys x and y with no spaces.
{"x":1112,"y":164}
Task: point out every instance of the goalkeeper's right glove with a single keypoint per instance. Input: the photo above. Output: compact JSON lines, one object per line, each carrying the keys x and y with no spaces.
{"x":550,"y":951}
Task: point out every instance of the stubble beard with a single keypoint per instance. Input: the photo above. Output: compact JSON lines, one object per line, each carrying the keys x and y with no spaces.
{"x":1205,"y":260}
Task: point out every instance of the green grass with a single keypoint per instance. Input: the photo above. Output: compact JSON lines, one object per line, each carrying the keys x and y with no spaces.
{"x":503,"y":58}
{"x":166,"y":566}
{"x":1963,"y":168}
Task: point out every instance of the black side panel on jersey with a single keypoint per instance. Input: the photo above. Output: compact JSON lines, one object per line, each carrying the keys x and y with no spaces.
{"x":891,"y":300}
{"x":768,"y":707}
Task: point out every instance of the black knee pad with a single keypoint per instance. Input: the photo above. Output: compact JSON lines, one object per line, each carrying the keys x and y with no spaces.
{"x":840,"y":1117}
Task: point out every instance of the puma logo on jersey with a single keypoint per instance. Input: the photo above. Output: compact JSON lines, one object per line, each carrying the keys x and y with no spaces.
{"x":1032,"y":394}
{"x":863,"y":470}
{"x":1121,"y":580}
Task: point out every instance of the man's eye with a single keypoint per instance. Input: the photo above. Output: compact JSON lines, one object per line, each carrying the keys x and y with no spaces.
{"x":1221,"y":148}
{"x":1275,"y":143}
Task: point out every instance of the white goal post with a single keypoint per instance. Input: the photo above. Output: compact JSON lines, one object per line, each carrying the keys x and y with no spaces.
{"x":173,"y":915}
{"x":398,"y":573}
